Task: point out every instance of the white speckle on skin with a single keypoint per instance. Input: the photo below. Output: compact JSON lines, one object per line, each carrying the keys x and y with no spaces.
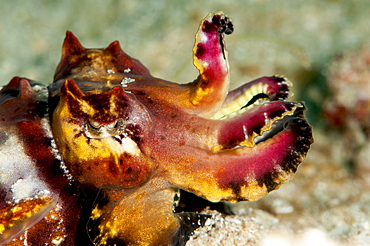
{"x":205,"y":64}
{"x":41,"y":93}
{"x":202,"y":37}
{"x":267,"y":119}
{"x":46,"y":126}
{"x":25,"y":239}
{"x":28,"y":187}
{"x":129,"y":146}
{"x":245,"y":131}
{"x":126,"y":80}
{"x":18,"y":175}
{"x":127,"y":70}
{"x":57,"y":241}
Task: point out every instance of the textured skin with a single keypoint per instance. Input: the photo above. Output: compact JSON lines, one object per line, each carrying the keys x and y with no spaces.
{"x":31,"y":167}
{"x":109,"y":138}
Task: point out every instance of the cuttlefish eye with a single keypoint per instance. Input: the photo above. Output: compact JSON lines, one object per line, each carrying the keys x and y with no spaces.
{"x":94,"y":129}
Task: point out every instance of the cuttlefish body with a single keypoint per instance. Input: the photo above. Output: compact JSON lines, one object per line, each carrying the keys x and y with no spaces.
{"x":137,"y":140}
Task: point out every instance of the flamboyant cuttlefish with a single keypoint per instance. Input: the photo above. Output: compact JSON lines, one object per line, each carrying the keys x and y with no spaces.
{"x":98,"y":156}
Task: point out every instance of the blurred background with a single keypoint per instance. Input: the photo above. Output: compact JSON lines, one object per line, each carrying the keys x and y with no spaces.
{"x":322,"y":46}
{"x":296,"y":38}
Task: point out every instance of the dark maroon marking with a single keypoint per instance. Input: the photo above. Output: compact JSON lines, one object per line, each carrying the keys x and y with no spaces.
{"x":209,"y":27}
{"x":216,"y":19}
{"x":217,"y":25}
{"x":200,"y":50}
{"x":134,"y":132}
{"x":100,"y":103}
